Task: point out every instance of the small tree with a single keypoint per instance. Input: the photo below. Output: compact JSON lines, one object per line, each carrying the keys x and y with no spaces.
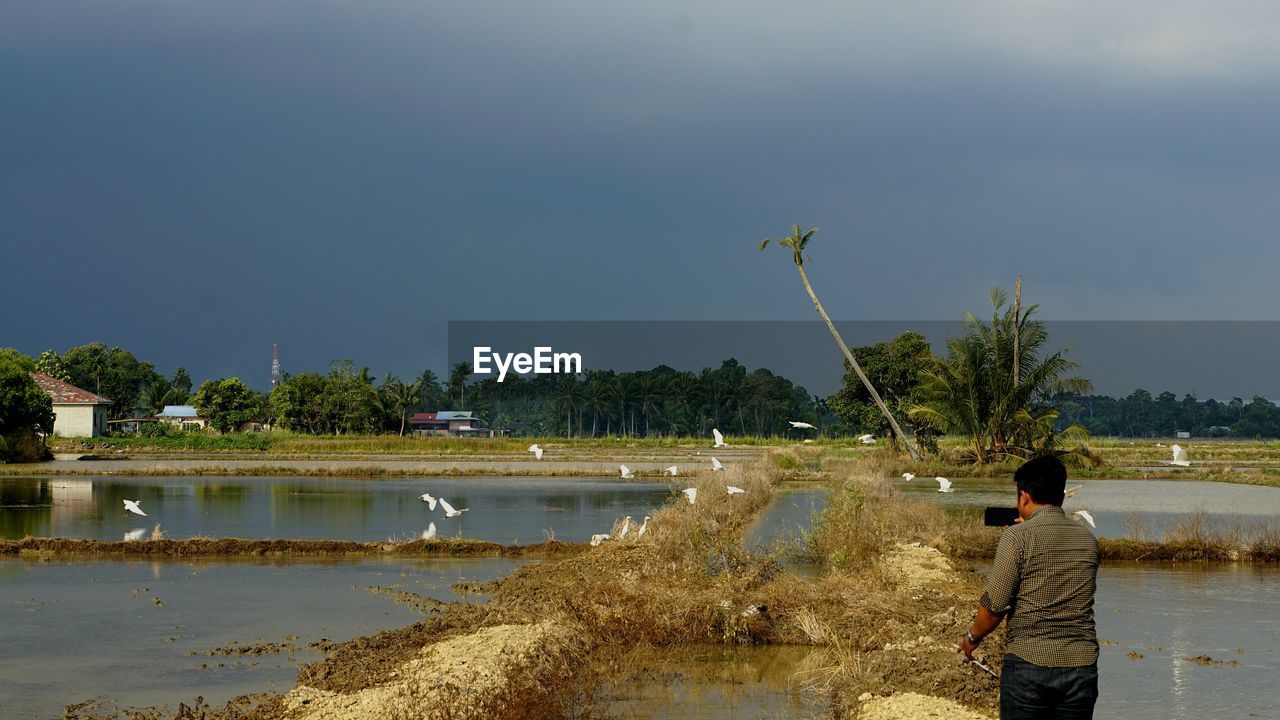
{"x":226,"y":403}
{"x":25,"y":410}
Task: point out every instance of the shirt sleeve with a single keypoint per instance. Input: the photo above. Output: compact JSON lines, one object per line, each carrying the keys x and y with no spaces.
{"x":1002,"y":584}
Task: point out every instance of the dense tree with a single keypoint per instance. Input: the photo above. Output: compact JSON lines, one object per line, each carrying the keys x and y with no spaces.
{"x":894,"y":368}
{"x":25,"y":412}
{"x":181,"y":381}
{"x":113,"y":373}
{"x":18,"y":359}
{"x":50,"y":363}
{"x":227,"y":403}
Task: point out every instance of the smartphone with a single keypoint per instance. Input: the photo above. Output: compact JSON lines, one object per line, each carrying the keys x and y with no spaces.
{"x":999,"y":516}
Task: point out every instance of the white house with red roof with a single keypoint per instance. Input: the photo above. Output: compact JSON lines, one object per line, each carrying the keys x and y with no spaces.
{"x":76,"y":412}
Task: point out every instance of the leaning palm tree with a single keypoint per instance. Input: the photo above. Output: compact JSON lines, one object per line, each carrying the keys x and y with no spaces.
{"x":797,"y":242}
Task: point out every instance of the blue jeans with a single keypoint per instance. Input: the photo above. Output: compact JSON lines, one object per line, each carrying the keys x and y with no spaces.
{"x":1031,"y":692}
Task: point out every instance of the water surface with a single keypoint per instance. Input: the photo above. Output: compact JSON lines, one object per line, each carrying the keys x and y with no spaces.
{"x":125,"y":629}
{"x":1114,"y":504}
{"x":501,"y":509}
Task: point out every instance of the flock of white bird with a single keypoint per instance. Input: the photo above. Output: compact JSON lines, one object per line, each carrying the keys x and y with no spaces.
{"x":944,"y":486}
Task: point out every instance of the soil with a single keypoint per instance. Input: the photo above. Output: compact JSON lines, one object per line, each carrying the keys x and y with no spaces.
{"x":913,"y":706}
{"x":463,"y":676}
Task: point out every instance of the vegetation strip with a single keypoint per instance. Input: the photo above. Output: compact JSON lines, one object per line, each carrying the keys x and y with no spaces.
{"x":234,"y":547}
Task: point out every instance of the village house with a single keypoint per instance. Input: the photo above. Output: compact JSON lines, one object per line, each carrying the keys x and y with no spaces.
{"x":453,"y":423}
{"x":76,"y":412}
{"x":184,"y":417}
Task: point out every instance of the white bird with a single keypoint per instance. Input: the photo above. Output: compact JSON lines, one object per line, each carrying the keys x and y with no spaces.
{"x":1071,"y":491}
{"x":715,"y":432}
{"x":643,"y":527}
{"x":801,"y":425}
{"x":1179,"y":456}
{"x":537,"y":451}
{"x":430,"y":501}
{"x":626,"y":527}
{"x":430,"y":532}
{"x":692,"y":494}
{"x":1087,"y":517}
{"x":627,"y":472}
{"x":908,"y":477}
{"x":867,"y":439}
{"x":672,"y":470}
{"x":716,"y":465}
{"x":448,"y":509}
{"x":944,"y":485}
{"x":734,"y":490}
{"x":1159,"y":444}
{"x":133,"y":535}
{"x":132,"y":506}
{"x":598,"y":538}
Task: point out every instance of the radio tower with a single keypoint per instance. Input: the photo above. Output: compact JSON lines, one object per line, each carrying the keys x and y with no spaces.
{"x":275,"y":365}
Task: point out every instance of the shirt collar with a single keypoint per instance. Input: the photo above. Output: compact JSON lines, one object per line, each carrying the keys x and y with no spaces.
{"x":1050,"y":509}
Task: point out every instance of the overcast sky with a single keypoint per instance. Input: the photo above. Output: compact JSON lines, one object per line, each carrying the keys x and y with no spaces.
{"x":196,"y":180}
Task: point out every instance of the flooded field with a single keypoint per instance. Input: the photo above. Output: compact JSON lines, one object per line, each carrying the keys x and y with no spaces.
{"x":501,"y":509}
{"x":1187,"y":643}
{"x":1115,"y":504}
{"x":139,"y":632}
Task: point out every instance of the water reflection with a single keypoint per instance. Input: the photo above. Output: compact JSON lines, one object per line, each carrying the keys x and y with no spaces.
{"x":127,"y":630}
{"x":521,"y":510}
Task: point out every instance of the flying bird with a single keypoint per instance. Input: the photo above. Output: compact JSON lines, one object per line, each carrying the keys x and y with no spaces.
{"x":672,"y":470}
{"x":1179,"y":456}
{"x":1086,"y":516}
{"x":643,"y":528}
{"x":867,"y":439}
{"x":627,"y":472}
{"x":430,"y":501}
{"x":599,"y":538}
{"x":430,"y":532}
{"x":537,"y":451}
{"x":944,"y":485}
{"x":133,"y":535}
{"x":908,"y":477}
{"x":132,"y":506}
{"x":691,"y":493}
{"x":626,"y":527}
{"x":1071,"y":491}
{"x":716,"y":465}
{"x":801,"y":425}
{"x":734,"y":490}
{"x":715,"y":432}
{"x":448,"y":509}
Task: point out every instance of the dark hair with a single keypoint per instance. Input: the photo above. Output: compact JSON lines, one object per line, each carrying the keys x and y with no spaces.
{"x":1044,"y":479}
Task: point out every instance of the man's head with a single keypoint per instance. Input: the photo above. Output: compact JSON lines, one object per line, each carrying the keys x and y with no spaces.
{"x":1041,"y":481}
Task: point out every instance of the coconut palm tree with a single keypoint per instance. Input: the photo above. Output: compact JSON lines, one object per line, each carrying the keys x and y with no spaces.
{"x":975,"y":391}
{"x":797,"y":242}
{"x":402,"y":397}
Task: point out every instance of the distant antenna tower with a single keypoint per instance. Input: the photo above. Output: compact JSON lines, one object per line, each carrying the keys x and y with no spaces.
{"x":275,"y":365}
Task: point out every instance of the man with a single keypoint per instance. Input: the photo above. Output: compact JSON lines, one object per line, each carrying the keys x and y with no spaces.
{"x":1042,"y":582}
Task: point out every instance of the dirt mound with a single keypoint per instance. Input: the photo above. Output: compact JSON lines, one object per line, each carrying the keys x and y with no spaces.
{"x":492,"y":672}
{"x":913,"y":706}
{"x":919,"y":567}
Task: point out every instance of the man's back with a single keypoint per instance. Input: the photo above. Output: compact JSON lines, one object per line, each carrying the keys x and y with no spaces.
{"x":1043,"y":580}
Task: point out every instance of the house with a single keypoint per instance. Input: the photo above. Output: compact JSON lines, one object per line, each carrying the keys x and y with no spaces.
{"x":184,"y":417}
{"x":76,"y":412}
{"x":450,"y":423}
{"x":1182,"y":435}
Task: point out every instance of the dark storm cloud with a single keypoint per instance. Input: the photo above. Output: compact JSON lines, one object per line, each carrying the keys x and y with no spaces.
{"x":195,"y":181}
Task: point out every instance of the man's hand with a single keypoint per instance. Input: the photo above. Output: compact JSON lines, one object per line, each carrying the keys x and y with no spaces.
{"x":966,"y":648}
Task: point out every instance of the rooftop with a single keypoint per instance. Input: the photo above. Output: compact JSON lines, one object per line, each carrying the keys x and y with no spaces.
{"x":179,"y":411}
{"x":64,"y":393}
